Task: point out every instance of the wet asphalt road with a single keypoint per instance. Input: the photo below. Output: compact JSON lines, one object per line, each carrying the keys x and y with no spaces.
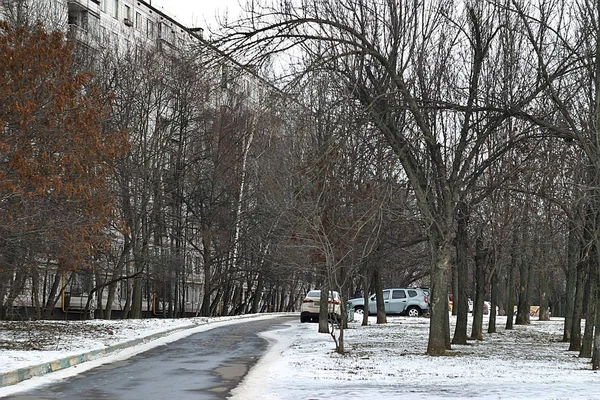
{"x":206,"y":365}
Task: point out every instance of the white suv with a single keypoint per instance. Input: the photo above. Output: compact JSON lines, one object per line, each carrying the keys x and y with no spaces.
{"x":404,"y":301}
{"x":311,"y":306}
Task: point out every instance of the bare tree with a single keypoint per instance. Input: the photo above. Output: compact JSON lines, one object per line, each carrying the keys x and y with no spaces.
{"x":392,"y":57}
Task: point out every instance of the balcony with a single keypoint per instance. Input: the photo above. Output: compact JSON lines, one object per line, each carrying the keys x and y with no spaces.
{"x":83,"y":24}
{"x":81,"y":36}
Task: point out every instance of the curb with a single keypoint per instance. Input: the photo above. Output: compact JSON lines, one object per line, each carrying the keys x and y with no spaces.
{"x":22,"y":374}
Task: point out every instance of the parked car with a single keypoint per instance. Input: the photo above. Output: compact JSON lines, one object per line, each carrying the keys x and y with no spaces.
{"x":410,"y":301}
{"x":309,"y":311}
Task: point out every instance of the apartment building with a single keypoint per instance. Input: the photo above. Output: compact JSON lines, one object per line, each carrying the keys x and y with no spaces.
{"x":102,"y":22}
{"x":116,"y":25}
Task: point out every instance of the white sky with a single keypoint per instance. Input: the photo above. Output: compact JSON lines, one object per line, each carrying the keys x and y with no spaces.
{"x":384,"y":361}
{"x":199,"y":13}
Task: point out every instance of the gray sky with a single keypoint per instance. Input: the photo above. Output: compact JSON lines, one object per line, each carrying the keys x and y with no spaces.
{"x":198,"y":13}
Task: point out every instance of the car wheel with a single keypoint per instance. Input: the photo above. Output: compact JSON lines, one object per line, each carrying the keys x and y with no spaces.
{"x":359,"y":310}
{"x":413,"y":312}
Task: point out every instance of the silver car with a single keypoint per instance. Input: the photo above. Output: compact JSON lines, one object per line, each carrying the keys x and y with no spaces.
{"x":403,"y":301}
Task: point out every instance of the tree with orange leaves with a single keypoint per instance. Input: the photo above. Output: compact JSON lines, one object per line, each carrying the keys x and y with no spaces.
{"x":55,"y":160}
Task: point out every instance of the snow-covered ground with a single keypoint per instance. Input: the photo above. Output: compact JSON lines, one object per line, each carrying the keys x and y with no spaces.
{"x":382,"y":360}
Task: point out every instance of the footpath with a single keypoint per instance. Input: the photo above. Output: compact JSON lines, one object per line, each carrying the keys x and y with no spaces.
{"x":21,"y":374}
{"x":52,"y":365}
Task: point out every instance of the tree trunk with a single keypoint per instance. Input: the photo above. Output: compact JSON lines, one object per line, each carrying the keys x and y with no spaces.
{"x":324,"y":310}
{"x":460,"y":306}
{"x":596,"y":354}
{"x":575,"y":342}
{"x":257,"y":294}
{"x":596,"y":351}
{"x":365,"y":285}
{"x":571,"y":273}
{"x":55,"y":293}
{"x":439,"y":330}
{"x":544,"y":303}
{"x":381,"y":316}
{"x":454,"y":283}
{"x":117,"y":271}
{"x":479,"y":298}
{"x":493,"y":300}
{"x":136,"y":295}
{"x":531,"y":279}
{"x":590,"y":310}
{"x":596,"y":266}
{"x":127,"y":295}
{"x":100,"y":280}
{"x":139,"y":264}
{"x":228,"y":288}
{"x":523,"y":307}
{"x":16,"y":287}
{"x":35,"y":283}
{"x":206,"y":244}
{"x":510,"y":298}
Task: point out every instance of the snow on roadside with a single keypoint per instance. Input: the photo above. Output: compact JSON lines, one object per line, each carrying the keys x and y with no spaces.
{"x":389,"y":360}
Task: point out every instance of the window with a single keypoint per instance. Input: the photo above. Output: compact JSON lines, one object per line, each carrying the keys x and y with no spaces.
{"x":166,"y":33}
{"x":114,"y":39}
{"x":93,"y":25}
{"x":73,"y":18}
{"x":115,"y":10}
{"x":128,"y":13}
{"x":197,"y":265}
{"x":412,"y":293}
{"x":150,"y":29}
{"x":224,"y":77}
{"x":398,"y":294}
{"x":104,"y":36}
{"x":138,"y":20}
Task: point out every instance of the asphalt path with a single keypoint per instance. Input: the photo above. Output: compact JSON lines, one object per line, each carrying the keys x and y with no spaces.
{"x":206,"y":365}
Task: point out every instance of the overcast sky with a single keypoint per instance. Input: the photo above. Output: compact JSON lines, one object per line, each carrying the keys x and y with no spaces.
{"x":198,"y":13}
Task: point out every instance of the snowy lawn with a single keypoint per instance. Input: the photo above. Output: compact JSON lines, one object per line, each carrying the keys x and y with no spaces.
{"x":382,"y":360}
{"x":389,"y":361}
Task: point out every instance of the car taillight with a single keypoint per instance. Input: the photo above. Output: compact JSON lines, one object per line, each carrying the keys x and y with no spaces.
{"x":336,"y":302}
{"x":307,"y":301}
{"x":425,"y":299}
